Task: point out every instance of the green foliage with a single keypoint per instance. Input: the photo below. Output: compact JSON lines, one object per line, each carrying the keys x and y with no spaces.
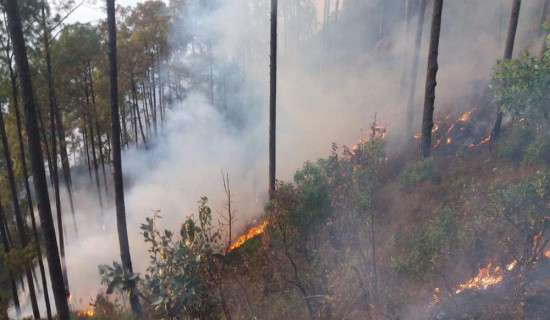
{"x":418,"y":172}
{"x":183,"y":277}
{"x":523,"y":206}
{"x":428,"y":247}
{"x":538,"y":150}
{"x":516,"y":144}
{"x":313,"y":198}
{"x":520,"y":86}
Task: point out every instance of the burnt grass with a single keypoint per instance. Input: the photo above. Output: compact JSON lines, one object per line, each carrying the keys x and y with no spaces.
{"x":461,"y":179}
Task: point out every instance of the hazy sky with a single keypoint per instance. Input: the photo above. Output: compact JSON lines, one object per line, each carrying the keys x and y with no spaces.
{"x":92,"y":11}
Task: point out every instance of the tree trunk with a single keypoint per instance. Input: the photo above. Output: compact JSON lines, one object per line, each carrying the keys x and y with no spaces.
{"x":46,"y":144}
{"x":28,"y":188}
{"x":542,"y":17}
{"x":35,"y":155}
{"x":545,"y":33}
{"x":17,"y":212}
{"x":429,"y":98}
{"x":272,"y":97}
{"x":94,"y":158}
{"x":117,"y":161}
{"x":134,"y":94}
{"x":414,"y":71}
{"x":99,"y":142}
{"x":86,"y":149}
{"x":508,"y":51}
{"x":7,"y":247}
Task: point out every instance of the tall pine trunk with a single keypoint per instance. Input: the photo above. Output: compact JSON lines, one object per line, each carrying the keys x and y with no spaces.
{"x":272,"y":97}
{"x":35,"y":155}
{"x":7,"y":247}
{"x":414,"y":71}
{"x":27,"y":187}
{"x":90,"y":124}
{"x":429,"y":98}
{"x":17,"y":212}
{"x":508,"y":51}
{"x":117,"y":161}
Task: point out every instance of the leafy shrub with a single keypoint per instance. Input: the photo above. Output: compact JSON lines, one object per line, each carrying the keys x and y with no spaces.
{"x":516,"y":144}
{"x":418,"y":172}
{"x":538,"y":150}
{"x":183,"y":279}
{"x":426,"y":247}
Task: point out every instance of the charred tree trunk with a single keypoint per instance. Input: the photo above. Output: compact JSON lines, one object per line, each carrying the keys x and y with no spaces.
{"x":429,"y":98}
{"x":7,"y":247}
{"x":17,"y":212}
{"x":117,"y":161}
{"x":272,"y":97}
{"x":414,"y":71}
{"x":508,"y":51}
{"x":15,"y":94}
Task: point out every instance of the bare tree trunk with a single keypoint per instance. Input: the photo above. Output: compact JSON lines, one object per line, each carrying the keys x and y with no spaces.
{"x":542,"y":16}
{"x":46,"y":144}
{"x":272,"y":97}
{"x":28,"y":189}
{"x":17,"y":211}
{"x":136,"y":108}
{"x":94,"y":158}
{"x":508,"y":51}
{"x":544,"y":33}
{"x":35,"y":155}
{"x":99,"y":142}
{"x":86,"y":149}
{"x":429,"y":98}
{"x":7,"y":247}
{"x":414,"y":71}
{"x":117,"y":161}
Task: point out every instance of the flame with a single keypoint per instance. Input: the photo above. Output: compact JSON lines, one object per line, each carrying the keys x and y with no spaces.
{"x":418,"y":135}
{"x":451,"y":128}
{"x":70,"y":299}
{"x":252,"y":232}
{"x":435,"y":128}
{"x":85,"y":313}
{"x":466,"y":115}
{"x":511,"y":265}
{"x":486,"y":139}
{"x":547,"y":253}
{"x":486,"y":277}
{"x":448,"y":140}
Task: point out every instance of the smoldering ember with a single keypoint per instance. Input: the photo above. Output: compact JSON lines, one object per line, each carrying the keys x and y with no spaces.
{"x":275,"y":159}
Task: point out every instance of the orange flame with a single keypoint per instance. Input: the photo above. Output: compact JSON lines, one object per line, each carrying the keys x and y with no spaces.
{"x":486,"y":139}
{"x":486,"y":277}
{"x":85,"y":313}
{"x":252,"y":232}
{"x":547,"y":253}
{"x":466,"y":115}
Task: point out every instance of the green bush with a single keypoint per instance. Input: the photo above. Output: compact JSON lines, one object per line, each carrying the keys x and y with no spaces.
{"x":538,"y":150}
{"x":418,"y":172}
{"x":426,"y":247}
{"x":516,"y":144}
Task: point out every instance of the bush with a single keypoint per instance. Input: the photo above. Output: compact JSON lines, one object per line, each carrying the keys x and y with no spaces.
{"x":416,"y":173}
{"x":516,"y":144}
{"x":426,"y":247}
{"x":538,"y":150}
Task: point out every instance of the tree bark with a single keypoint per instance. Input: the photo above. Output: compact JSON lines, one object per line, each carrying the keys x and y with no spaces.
{"x":7,"y":247}
{"x":272,"y":97}
{"x":28,"y":188}
{"x":508,"y":51}
{"x":17,"y":212}
{"x":94,"y":158}
{"x":429,"y":99}
{"x":414,"y":71}
{"x":117,"y":161}
{"x":35,"y":154}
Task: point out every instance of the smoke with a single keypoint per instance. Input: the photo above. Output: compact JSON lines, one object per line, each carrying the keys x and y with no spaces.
{"x":331,"y":80}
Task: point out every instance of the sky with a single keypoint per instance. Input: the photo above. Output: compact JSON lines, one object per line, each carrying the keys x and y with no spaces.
{"x":94,"y":10}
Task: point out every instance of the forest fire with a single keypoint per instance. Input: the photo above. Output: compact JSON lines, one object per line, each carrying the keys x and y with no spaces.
{"x":466,"y":116}
{"x":486,"y":277}
{"x":85,"y":313}
{"x":252,"y":232}
{"x":485,"y":140}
